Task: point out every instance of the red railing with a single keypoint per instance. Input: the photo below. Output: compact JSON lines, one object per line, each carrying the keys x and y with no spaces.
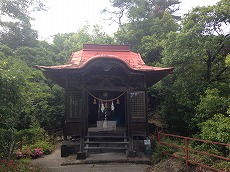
{"x":187,"y":150}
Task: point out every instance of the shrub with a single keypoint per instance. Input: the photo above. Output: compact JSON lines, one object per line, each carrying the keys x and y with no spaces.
{"x":216,"y":128}
{"x":22,"y":165}
{"x":27,"y":152}
{"x":31,"y":135}
{"x":37,"y":153}
{"x":45,"y":146}
{"x":6,"y":141}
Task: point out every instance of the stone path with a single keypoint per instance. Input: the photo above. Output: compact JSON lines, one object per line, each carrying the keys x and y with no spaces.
{"x":55,"y":163}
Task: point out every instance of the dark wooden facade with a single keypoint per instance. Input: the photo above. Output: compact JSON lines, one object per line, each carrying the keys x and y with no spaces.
{"x":110,"y":70}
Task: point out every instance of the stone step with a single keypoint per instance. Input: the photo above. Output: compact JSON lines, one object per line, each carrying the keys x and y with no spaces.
{"x":113,"y":148}
{"x":103,"y":136}
{"x":102,"y":142}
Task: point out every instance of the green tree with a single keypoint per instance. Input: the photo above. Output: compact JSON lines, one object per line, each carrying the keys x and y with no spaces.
{"x":217,"y":128}
{"x":212,"y":103}
{"x":15,"y":27}
{"x":139,"y":10}
{"x":148,"y":24}
{"x":17,"y":34}
{"x":13,"y":76}
{"x":64,"y":44}
{"x":151,"y":46}
{"x":198,"y":53}
{"x":25,"y":92}
{"x":36,"y":56}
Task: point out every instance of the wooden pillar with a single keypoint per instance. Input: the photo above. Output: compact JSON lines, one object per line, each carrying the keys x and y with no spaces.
{"x":65,"y":116}
{"x":130,"y":151}
{"x":82,"y":154}
{"x":66,"y":101}
{"x":64,"y":151}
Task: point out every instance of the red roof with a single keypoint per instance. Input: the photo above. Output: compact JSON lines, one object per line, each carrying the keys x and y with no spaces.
{"x":89,"y":53}
{"x":92,"y":52}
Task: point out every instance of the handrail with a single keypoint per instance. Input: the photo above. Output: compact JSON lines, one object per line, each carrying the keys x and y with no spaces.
{"x":187,"y":150}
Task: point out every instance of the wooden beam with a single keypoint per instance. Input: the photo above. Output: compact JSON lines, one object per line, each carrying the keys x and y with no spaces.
{"x":82,"y":139}
{"x":129,"y":121}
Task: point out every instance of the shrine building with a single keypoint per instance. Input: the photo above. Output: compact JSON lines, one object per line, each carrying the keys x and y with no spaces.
{"x":105,"y":98}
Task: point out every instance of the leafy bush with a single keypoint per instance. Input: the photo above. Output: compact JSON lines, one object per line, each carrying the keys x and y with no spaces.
{"x":32,"y":142}
{"x":45,"y":146}
{"x":37,"y":153}
{"x":27,"y":152}
{"x":22,"y":165}
{"x":216,"y":128}
{"x":211,"y":103}
{"x":31,"y":135}
{"x":5,"y":141}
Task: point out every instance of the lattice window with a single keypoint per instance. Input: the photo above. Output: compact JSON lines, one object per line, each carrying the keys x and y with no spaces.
{"x":138,"y":104}
{"x":75,"y":104}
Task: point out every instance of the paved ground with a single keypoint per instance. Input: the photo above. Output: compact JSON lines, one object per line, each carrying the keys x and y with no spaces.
{"x":100,"y":167}
{"x":55,"y":163}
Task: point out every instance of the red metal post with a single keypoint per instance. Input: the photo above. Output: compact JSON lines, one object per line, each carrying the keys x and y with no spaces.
{"x":186,"y":151}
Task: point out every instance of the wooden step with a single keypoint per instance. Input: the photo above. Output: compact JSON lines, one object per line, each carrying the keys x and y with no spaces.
{"x":102,"y":142}
{"x":117,"y":148}
{"x":101,"y":136}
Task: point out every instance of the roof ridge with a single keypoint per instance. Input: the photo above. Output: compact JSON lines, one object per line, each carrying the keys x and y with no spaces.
{"x":101,"y":47}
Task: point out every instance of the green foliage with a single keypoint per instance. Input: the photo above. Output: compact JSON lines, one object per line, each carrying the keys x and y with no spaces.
{"x":36,"y":56}
{"x":15,"y":29}
{"x":151,"y":46}
{"x":45,"y":146}
{"x":64,"y":44}
{"x":227,"y":61}
{"x":13,"y":77}
{"x":20,"y":9}
{"x":20,"y":34}
{"x":211,"y":103}
{"x":31,"y":136}
{"x":139,"y":10}
{"x":25,"y":92}
{"x":75,"y":41}
{"x":27,"y":140}
{"x":22,"y":165}
{"x":6,"y":142}
{"x":198,"y":53}
{"x":149,"y":23}
{"x":216,"y":128}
